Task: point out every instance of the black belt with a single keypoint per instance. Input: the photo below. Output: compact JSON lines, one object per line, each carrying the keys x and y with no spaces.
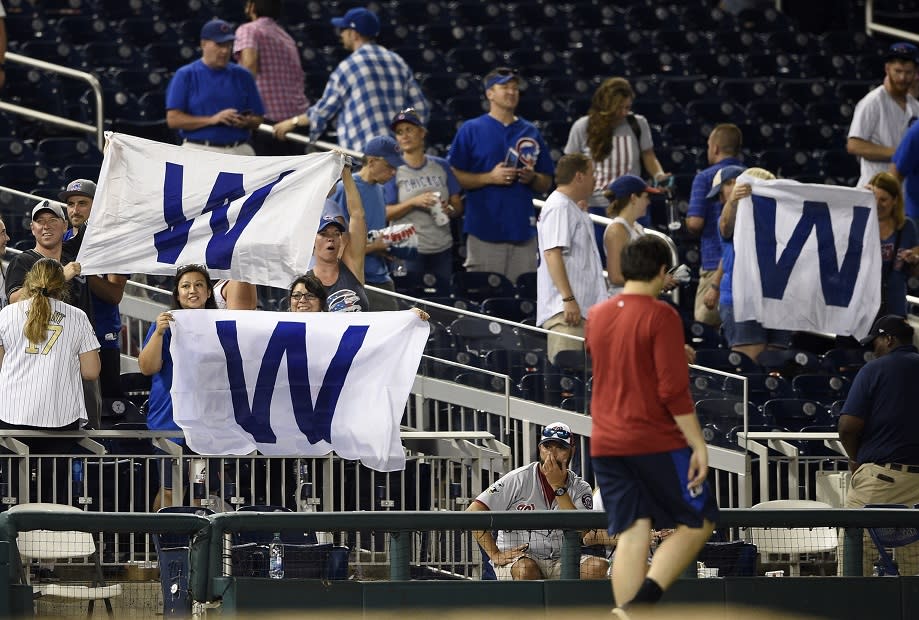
{"x":228,"y":145}
{"x":910,"y":469}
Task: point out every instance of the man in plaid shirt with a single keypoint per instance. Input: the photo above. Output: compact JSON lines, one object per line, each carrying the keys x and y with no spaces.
{"x":271,"y":55}
{"x":366,"y":90}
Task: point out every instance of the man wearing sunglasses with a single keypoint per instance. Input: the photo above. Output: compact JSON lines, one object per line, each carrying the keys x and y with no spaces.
{"x":648,"y":452}
{"x":545,"y":485}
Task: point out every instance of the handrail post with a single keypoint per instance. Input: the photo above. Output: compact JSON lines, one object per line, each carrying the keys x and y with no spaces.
{"x":571,"y":554}
{"x":853,"y":553}
{"x":400,"y":553}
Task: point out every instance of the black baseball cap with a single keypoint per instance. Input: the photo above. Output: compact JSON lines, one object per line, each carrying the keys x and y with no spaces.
{"x":889,"y":325}
{"x":902,"y":51}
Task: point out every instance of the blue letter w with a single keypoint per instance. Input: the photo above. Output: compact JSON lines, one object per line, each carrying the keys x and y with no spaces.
{"x":288,"y":338}
{"x":837,"y":283}
{"x":228,"y":187}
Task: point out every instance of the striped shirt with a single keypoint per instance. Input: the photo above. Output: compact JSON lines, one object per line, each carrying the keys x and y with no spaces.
{"x":280,"y":74}
{"x":42,"y":384}
{"x":365,"y":91}
{"x":624,"y":158}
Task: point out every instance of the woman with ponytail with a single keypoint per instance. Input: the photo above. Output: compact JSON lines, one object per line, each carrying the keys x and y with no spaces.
{"x":46,"y":348}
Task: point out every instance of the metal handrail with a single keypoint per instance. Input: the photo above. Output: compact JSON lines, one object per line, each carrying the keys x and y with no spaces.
{"x":91,"y":79}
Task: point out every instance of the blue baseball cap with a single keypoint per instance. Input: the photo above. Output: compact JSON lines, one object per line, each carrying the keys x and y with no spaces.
{"x":499,"y":75}
{"x":902,"y":51}
{"x":724,"y":174}
{"x":217,"y":31}
{"x":629,"y":184}
{"x":363,"y":20}
{"x":385,"y":147}
{"x":330,"y":220}
{"x":408,"y":115}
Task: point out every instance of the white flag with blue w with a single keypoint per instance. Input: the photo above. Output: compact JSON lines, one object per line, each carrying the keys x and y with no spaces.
{"x":159,"y":206}
{"x":807,"y":257}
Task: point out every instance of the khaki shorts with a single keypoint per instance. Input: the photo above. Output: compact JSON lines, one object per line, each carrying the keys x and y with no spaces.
{"x":507,"y":258}
{"x":554,"y":344}
{"x":701,"y":313}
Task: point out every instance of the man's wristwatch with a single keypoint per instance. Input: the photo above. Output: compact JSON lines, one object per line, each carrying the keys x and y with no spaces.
{"x":561,"y":491}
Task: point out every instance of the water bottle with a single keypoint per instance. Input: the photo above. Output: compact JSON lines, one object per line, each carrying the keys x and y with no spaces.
{"x":437,"y":211}
{"x":276,"y":557}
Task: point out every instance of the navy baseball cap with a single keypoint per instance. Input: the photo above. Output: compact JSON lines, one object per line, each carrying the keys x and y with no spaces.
{"x":629,"y":184}
{"x":408,"y":115}
{"x":500,"y":75}
{"x":363,"y":20}
{"x":385,"y":147}
{"x":724,"y":174}
{"x":902,"y":51}
{"x":217,"y":31}
{"x":889,"y":325}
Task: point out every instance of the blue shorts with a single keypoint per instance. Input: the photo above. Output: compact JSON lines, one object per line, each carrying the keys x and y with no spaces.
{"x":751,"y":332}
{"x":651,"y":486}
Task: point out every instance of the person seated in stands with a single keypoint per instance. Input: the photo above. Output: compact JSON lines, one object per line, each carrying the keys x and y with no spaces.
{"x":381,"y":159}
{"x":235,"y":295}
{"x":748,"y":337}
{"x":547,"y":484}
{"x":899,"y":253}
{"x":340,"y":266}
{"x":307,"y":294}
{"x":192,"y":291}
{"x":426,"y":194}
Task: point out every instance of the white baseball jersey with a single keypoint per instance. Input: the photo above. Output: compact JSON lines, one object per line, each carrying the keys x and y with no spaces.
{"x":879,"y":119}
{"x":42,"y":384}
{"x":526,"y":488}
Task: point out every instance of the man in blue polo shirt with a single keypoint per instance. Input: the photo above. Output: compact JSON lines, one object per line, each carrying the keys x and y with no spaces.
{"x":879,"y":429}
{"x":214,"y":104}
{"x":501,"y":160}
{"x":702,"y":218}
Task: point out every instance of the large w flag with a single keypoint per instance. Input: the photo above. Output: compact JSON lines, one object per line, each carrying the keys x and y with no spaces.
{"x":807,"y":257}
{"x":288,"y":383}
{"x":159,"y":206}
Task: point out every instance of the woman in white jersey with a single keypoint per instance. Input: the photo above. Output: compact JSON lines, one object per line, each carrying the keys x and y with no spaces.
{"x":46,"y":348}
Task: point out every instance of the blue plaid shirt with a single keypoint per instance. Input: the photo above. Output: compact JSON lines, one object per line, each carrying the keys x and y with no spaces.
{"x":366,"y":90}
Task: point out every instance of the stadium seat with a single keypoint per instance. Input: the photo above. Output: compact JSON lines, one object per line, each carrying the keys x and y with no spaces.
{"x":852,"y":91}
{"x":845,"y":362}
{"x":515,"y":363}
{"x":720,"y":65}
{"x":760,"y":387}
{"x":13,"y":150}
{"x":703,"y":336}
{"x":550,"y":388}
{"x":480,"y":285}
{"x":796,"y":413}
{"x":684,"y":88}
{"x":99,"y":55}
{"x":525,"y":286}
{"x":510,"y":308}
{"x":61,"y":152}
{"x":887,"y":538}
{"x":57,"y":52}
{"x":23,"y":176}
{"x":715,"y":110}
{"x":478,"y":335}
{"x":727,"y":413}
{"x":746,"y":90}
{"x":172,"y":552}
{"x":814,"y":135}
{"x":788,"y":362}
{"x":726,"y":360}
{"x":824,"y":388}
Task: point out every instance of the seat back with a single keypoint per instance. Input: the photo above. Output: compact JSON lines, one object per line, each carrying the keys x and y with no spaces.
{"x":52,"y":545}
{"x":885,"y":538}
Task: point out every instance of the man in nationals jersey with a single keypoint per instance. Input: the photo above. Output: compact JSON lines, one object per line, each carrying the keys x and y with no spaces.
{"x":648,"y":452}
{"x":545,"y":485}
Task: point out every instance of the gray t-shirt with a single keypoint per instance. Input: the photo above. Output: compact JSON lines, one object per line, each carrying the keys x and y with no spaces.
{"x":435,"y":175}
{"x":347,"y":294}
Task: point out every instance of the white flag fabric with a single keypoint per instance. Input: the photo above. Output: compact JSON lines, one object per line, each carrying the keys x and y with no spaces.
{"x":807,"y":257}
{"x":159,"y":206}
{"x":287,"y":383}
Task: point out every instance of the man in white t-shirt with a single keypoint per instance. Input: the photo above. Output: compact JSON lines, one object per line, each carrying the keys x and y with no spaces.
{"x":882,"y":117}
{"x":545,"y":485}
{"x":569,"y":277}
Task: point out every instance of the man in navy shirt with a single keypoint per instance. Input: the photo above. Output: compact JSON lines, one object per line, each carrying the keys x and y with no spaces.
{"x":214,"y":104}
{"x":879,"y":428}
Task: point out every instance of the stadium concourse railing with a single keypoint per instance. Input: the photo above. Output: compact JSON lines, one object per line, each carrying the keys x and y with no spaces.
{"x":214,"y":581}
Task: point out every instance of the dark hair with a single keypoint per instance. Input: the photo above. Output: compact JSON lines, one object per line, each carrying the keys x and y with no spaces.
{"x":569,"y":165}
{"x":267,"y":8}
{"x":616,"y":205}
{"x":312,"y":285}
{"x":643,"y":258}
{"x":45,"y":280}
{"x":211,"y":303}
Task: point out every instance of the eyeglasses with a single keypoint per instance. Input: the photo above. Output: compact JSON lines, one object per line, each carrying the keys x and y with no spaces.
{"x":556,"y":432}
{"x":308,"y":296}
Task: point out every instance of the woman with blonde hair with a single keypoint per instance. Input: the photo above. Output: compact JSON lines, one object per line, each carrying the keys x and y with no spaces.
{"x":46,"y":348}
{"x":899,"y":253}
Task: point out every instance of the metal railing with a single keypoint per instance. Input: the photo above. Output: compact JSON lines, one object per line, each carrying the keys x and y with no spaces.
{"x":53,"y":119}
